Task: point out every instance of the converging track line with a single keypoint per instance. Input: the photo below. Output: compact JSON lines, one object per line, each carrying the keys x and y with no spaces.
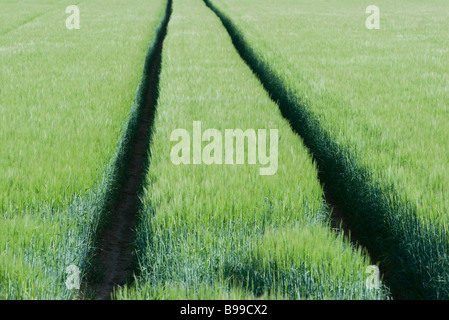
{"x":362,"y":208}
{"x":114,"y":256}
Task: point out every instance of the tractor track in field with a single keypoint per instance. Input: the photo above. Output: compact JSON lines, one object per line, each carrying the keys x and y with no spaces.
{"x":114,"y":256}
{"x":411,"y":254}
{"x":338,"y":215}
{"x":338,"y":222}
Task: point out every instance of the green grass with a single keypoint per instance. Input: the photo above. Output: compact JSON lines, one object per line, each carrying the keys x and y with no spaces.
{"x":369,"y":105}
{"x":381,"y":92}
{"x":225,"y":231}
{"x":381,"y":95}
{"x":16,"y":14}
{"x":64,"y":99}
{"x":65,"y":95}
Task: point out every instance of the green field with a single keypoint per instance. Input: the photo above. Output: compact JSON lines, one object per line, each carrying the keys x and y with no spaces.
{"x":354,"y":121}
{"x":382,"y":95}
{"x":65,"y":96}
{"x":225,"y":231}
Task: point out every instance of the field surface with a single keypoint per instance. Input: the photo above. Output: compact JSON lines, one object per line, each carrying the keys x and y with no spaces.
{"x":121,"y":158}
{"x":65,"y":96}
{"x":225,"y":231}
{"x":381,"y":94}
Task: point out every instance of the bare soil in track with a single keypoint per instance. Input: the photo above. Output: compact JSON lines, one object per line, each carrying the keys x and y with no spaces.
{"x":338,"y":222}
{"x":338,"y":215}
{"x":115,"y":252}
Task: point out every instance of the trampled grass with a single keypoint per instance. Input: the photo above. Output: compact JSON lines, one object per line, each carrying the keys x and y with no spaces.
{"x":225,"y":231}
{"x":382,"y":95}
{"x":64,"y":99}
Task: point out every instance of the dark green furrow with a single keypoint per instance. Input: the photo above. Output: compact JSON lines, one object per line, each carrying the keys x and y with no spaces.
{"x":121,"y":203}
{"x":413,"y":254}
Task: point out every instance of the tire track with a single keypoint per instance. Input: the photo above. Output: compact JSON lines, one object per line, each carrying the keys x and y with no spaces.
{"x":114,"y":257}
{"x":413,"y":255}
